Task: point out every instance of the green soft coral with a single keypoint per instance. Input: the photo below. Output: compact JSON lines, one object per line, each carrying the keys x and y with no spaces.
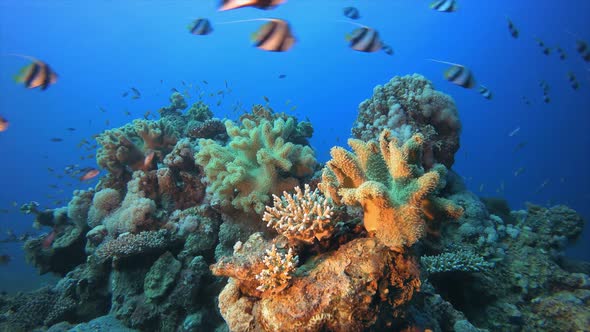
{"x":256,"y":163}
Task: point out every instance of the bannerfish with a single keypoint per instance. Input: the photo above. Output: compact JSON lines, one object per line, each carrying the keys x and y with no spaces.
{"x":260,"y":4}
{"x":35,"y":75}
{"x":201,"y":27}
{"x":274,"y":36}
{"x":461,"y":76}
{"x":447,"y":6}
{"x":513,"y":30}
{"x":365,"y":39}
{"x":3,"y":124}
{"x":485,"y":92}
{"x":351,"y":12}
{"x":387,"y":49}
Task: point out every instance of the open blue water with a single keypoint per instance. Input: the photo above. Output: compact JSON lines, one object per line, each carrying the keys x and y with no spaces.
{"x":101,"y":48}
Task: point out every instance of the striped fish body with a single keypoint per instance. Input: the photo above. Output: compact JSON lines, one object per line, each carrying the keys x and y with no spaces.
{"x":365,"y":40}
{"x":447,"y":6}
{"x":485,"y":92}
{"x":37,"y":74}
{"x":274,"y":36}
{"x":201,"y":26}
{"x":260,"y":4}
{"x":351,"y":12}
{"x":461,"y":76}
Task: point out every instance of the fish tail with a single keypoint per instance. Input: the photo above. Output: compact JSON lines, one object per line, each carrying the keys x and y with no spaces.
{"x":446,"y":62}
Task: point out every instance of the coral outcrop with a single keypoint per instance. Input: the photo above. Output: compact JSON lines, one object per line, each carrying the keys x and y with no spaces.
{"x":398,"y":197}
{"x":409,"y":105}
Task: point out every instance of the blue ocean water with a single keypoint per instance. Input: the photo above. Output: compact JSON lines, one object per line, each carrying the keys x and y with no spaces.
{"x":102,"y":48}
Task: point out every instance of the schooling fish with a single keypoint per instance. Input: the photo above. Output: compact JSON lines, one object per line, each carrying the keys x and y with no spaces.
{"x":35,"y":75}
{"x":365,"y":39}
{"x":573,"y":81}
{"x":461,"y":76}
{"x":274,"y":36}
{"x":3,"y":124}
{"x":513,"y":30}
{"x":447,"y":6}
{"x":351,"y":12}
{"x":260,"y":4}
{"x":458,"y":74}
{"x":201,"y":27}
{"x":562,"y":55}
{"x":485,"y":92}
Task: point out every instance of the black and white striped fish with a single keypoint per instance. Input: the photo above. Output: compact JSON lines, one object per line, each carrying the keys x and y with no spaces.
{"x":200,"y":26}
{"x":461,"y":76}
{"x":485,"y":92}
{"x":351,"y":12}
{"x":274,"y":36}
{"x":36,"y":74}
{"x":447,"y":6}
{"x":260,"y":4}
{"x":365,"y":39}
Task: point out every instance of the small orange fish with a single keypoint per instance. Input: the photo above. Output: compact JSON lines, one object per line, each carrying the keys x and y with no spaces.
{"x":92,"y":173}
{"x":3,"y":124}
{"x":147,"y":161}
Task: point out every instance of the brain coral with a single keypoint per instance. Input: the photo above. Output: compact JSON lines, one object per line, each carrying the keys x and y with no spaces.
{"x":409,"y":105}
{"x":389,"y":182}
{"x":257,"y":162}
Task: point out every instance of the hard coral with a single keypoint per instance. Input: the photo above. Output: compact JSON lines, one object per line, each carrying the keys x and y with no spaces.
{"x":408,"y":105}
{"x":388,"y":181}
{"x":305,"y":216}
{"x":256,"y":163}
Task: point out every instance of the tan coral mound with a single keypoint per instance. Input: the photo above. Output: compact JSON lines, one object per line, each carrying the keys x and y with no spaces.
{"x":388,"y":181}
{"x":344,"y":290}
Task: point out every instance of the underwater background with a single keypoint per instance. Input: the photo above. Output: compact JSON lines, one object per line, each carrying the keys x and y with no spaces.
{"x":100,"y":49}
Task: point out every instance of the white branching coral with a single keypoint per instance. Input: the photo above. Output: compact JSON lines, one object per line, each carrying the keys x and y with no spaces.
{"x":304,"y":216}
{"x":278,"y":271}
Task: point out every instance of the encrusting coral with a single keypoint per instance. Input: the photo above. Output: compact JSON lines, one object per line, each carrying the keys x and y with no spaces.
{"x":388,"y":181}
{"x":257,"y":162}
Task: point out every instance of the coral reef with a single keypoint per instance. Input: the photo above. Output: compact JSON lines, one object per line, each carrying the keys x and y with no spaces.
{"x":388,"y":181}
{"x":187,"y":232}
{"x":409,"y":105}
